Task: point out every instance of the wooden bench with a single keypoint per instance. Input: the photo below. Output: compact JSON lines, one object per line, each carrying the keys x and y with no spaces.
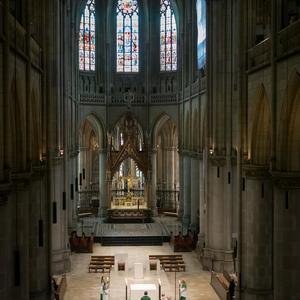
{"x":169,"y":263}
{"x":102,"y":263}
{"x":60,"y":286}
{"x":220,"y":285}
{"x":103,"y":268}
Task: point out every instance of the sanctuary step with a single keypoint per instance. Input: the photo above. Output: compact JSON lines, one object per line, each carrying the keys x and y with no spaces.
{"x":132,"y":241}
{"x":129,"y":216}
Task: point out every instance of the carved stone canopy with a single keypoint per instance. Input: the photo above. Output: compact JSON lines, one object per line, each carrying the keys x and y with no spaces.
{"x":130,"y":147}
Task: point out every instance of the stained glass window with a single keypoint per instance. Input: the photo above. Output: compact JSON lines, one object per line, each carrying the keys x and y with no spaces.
{"x":127,"y":36}
{"x":201,"y":25}
{"x":87,"y":46}
{"x":168,"y":37}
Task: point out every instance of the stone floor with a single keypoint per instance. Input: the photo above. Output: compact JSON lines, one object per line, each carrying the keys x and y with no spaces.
{"x":85,"y":286}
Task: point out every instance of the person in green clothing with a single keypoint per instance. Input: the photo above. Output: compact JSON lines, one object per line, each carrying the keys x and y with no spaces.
{"x":182,"y":290}
{"x":145,"y":297}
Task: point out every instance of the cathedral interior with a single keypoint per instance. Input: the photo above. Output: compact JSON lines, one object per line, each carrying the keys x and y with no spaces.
{"x":180,"y":116}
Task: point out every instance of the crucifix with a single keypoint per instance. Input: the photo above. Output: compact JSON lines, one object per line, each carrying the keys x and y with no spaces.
{"x":129,"y":98}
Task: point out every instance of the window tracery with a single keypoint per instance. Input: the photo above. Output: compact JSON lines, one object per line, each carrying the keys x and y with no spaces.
{"x":127,"y":36}
{"x":87,"y":38}
{"x":168,"y":37}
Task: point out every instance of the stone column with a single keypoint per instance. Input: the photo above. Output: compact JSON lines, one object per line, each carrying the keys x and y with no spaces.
{"x":286,"y":237}
{"x":181,"y":190}
{"x":217,"y":254}
{"x":102,"y":186}
{"x":194,"y":193}
{"x":107,"y":200}
{"x":154,"y":181}
{"x":186,"y":191}
{"x":201,"y":235}
{"x":257,"y":236}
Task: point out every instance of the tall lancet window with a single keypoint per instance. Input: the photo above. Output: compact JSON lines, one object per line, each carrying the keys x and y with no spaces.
{"x":168,"y":37}
{"x":127,"y":36}
{"x":201,"y":25}
{"x":87,"y":40}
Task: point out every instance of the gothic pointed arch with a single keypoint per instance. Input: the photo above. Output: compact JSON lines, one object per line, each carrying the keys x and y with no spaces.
{"x":159,"y":123}
{"x":261,"y":130}
{"x":95,"y":123}
{"x":289,"y":135}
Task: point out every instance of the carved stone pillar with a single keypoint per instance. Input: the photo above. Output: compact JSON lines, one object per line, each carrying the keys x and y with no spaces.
{"x":217,"y":254}
{"x":181,"y":197}
{"x":154,"y":181}
{"x":286,"y":235}
{"x":107,"y":203}
{"x":201,"y":236}
{"x":257,"y":238}
{"x":194,"y":193}
{"x":186,"y":191}
{"x":102,"y":187}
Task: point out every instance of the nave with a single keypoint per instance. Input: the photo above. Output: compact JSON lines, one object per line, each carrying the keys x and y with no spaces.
{"x":84,"y":285}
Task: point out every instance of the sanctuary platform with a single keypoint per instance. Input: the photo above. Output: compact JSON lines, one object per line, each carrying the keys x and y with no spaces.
{"x":108,"y":234}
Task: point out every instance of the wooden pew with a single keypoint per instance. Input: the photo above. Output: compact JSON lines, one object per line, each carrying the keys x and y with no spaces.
{"x":220,"y":285}
{"x":81,"y":244}
{"x":102,"y":263}
{"x":169,"y":263}
{"x":59,"y":286}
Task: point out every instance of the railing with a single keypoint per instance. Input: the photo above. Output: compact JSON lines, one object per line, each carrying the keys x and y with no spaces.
{"x":167,"y":200}
{"x":260,"y":54}
{"x":124,"y":192}
{"x":88,"y":199}
{"x":92,"y":99}
{"x":289,"y":39}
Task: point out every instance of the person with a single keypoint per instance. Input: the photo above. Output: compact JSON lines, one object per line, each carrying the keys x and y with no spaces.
{"x":182,"y":290}
{"x":231,"y":289}
{"x":106,"y":289}
{"x":145,"y":297}
{"x":101,"y":288}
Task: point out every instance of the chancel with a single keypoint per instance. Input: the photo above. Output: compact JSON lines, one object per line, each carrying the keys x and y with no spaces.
{"x":149,"y":143}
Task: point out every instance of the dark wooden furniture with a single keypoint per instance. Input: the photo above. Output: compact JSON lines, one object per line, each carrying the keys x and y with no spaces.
{"x":101,"y":263}
{"x":59,"y":286}
{"x":121,"y":266}
{"x":221,"y":285}
{"x":81,"y":244}
{"x":184,"y":243}
{"x":169,"y":263}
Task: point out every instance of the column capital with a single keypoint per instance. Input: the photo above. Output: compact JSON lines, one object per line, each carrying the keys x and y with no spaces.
{"x":256,"y":171}
{"x":286,"y":180}
{"x":217,"y":161}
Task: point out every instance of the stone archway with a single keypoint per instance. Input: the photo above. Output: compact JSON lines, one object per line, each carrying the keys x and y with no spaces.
{"x":165,"y":164}
{"x":91,"y":167}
